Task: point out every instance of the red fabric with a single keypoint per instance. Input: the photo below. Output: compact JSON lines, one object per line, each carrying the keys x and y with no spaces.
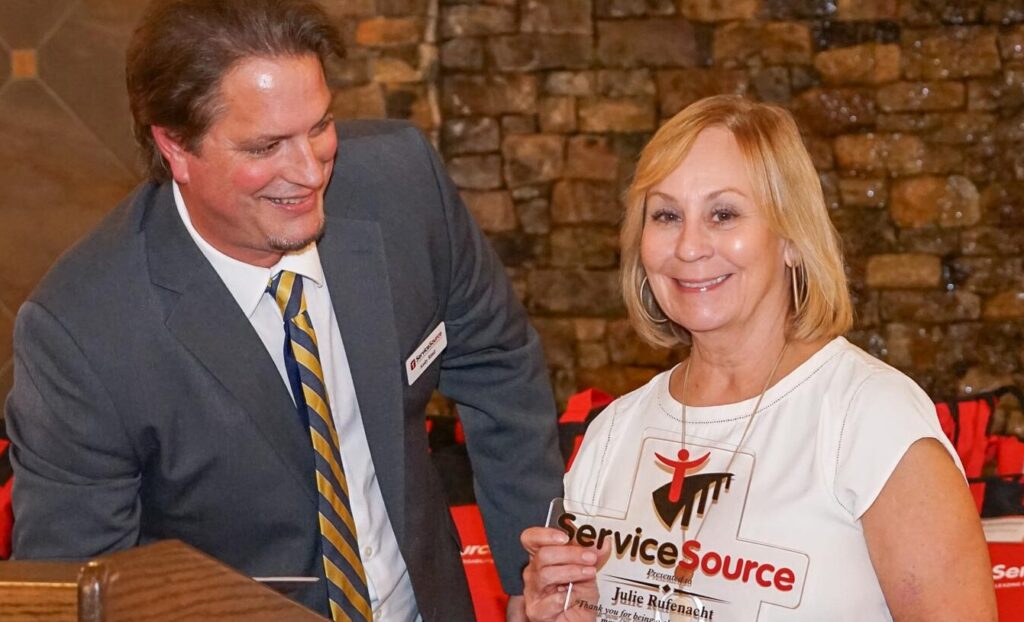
{"x":973,"y":442}
{"x":580,"y":405}
{"x":489,"y":599}
{"x":1009,"y":455}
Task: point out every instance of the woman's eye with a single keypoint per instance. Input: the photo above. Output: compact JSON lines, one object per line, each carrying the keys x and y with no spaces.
{"x":723,"y":215}
{"x":664,"y":215}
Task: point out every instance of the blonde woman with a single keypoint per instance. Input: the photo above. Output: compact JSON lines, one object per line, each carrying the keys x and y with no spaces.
{"x":727,"y":247}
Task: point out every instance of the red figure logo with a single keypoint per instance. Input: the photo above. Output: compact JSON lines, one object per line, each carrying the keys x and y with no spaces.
{"x":675,"y":491}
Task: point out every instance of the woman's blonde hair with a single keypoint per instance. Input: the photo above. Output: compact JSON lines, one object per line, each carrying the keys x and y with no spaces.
{"x":786,"y":187}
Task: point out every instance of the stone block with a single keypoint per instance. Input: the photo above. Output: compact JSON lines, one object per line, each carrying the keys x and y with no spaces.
{"x":473,"y":135}
{"x":718,"y":10}
{"x":915,"y":201}
{"x":909,"y":346}
{"x":462,"y":54}
{"x":928,"y":240}
{"x":626,"y":348}
{"x":533,"y":158}
{"x":397,"y":7}
{"x":519,"y":124}
{"x":389,"y":31}
{"x":929,"y":307}
{"x":868,"y":193}
{"x":991,"y":241}
{"x":921,"y":96}
{"x":943,"y":127}
{"x":493,"y":211}
{"x":635,"y":114}
{"x":534,"y":52}
{"x":625,"y":82}
{"x":592,"y":293}
{"x":738,"y":44}
{"x":870,"y":63}
{"x":899,"y":154}
{"x":950,"y":54}
{"x":590,"y":329}
{"x":559,"y":339}
{"x":557,"y":114}
{"x":583,"y":202}
{"x":403,"y":65}
{"x":867,"y":10}
{"x":575,"y":83}
{"x":591,"y":355}
{"x":960,"y":205}
{"x":476,"y":20}
{"x":678,"y":88}
{"x":591,"y":157}
{"x":557,"y":16}
{"x":656,"y":42}
{"x":987,"y":275}
{"x":833,"y":111}
{"x":534,"y":216}
{"x":476,"y":172}
{"x":1008,"y":305}
{"x":904,"y":271}
{"x":585,"y":247}
{"x":616,"y":380}
{"x":467,"y":95}
{"x":1011,"y":44}
{"x":634,"y":8}
{"x":360,"y":102}
{"x":414,"y":103}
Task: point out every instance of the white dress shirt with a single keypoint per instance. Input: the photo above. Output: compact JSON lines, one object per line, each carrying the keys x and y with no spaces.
{"x":391,"y":595}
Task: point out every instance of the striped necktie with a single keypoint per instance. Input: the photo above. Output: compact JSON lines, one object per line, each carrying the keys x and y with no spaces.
{"x":346,"y":578}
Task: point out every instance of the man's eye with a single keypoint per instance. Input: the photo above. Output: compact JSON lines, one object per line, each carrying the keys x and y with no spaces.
{"x":262,"y":150}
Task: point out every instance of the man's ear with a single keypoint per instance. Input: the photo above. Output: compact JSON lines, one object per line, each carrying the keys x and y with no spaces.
{"x":173,"y":151}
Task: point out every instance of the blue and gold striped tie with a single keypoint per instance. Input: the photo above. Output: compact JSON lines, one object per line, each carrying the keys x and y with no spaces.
{"x":346,"y":578}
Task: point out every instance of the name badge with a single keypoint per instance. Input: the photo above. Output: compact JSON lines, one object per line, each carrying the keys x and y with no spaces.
{"x":425,"y":353}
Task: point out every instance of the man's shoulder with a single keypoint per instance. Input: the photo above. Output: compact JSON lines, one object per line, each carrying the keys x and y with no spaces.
{"x":103,"y":257}
{"x":394,"y":129}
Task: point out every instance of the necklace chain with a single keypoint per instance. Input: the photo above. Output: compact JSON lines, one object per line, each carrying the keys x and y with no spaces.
{"x":746,"y":428}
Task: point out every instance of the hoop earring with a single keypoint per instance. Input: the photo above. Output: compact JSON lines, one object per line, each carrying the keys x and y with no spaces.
{"x":798,"y":299}
{"x":643,"y":304}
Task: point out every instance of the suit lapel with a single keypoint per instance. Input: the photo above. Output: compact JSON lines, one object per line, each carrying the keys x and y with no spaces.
{"x":203,"y":316}
{"x":352,"y":254}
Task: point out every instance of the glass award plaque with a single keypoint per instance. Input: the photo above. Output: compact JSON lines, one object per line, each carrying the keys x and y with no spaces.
{"x":668,"y":532}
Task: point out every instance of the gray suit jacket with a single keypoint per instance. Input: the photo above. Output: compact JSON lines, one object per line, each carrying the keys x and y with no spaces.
{"x":146,"y":407}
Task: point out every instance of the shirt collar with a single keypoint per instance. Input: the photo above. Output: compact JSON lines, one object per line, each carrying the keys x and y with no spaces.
{"x":246,"y":282}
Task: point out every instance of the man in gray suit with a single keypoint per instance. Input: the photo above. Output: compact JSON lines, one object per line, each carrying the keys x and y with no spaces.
{"x":162,"y":389}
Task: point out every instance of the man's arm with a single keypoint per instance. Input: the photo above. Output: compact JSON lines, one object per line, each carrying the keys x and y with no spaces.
{"x":76,"y":480}
{"x":494,"y":369}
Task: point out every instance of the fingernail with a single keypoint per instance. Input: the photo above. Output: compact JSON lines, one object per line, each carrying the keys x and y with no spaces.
{"x":589,"y":571}
{"x":589,"y":557}
{"x":562,"y":538}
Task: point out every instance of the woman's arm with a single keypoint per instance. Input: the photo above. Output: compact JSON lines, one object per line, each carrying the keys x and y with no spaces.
{"x":926,"y":544}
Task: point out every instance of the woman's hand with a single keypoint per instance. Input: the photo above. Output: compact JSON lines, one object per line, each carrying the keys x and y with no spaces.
{"x":554,"y":564}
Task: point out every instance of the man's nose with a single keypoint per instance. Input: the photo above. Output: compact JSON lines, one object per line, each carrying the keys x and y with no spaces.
{"x":305,"y":168}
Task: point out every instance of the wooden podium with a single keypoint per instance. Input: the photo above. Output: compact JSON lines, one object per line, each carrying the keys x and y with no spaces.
{"x":157,"y":583}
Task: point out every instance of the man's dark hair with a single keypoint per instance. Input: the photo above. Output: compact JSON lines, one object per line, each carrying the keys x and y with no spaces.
{"x":182,"y":49}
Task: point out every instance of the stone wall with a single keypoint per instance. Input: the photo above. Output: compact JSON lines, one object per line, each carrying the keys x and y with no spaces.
{"x":913,"y":111}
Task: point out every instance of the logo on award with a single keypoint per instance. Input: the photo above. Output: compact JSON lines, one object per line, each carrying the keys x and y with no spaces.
{"x":680,"y":495}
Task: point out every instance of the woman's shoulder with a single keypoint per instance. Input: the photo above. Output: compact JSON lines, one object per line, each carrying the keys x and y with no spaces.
{"x":857,"y":376}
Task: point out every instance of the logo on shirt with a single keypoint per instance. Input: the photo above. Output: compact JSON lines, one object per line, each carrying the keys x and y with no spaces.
{"x":682,"y":492}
